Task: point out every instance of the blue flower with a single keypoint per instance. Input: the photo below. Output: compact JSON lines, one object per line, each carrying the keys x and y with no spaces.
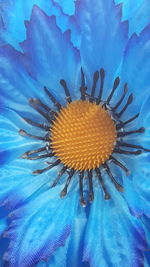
{"x":41,"y":225}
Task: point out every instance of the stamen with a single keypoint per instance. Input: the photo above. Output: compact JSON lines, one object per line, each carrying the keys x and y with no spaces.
{"x":98,"y":173}
{"x":91,"y":193}
{"x":64,"y":85}
{"x":39,"y":102}
{"x":95,"y":79}
{"x":129,"y":101}
{"x":122,"y":124}
{"x":120,"y":151}
{"x":102,"y":75}
{"x":33,"y":123}
{"x":140,"y":130}
{"x":24,"y":133}
{"x":133,"y":146}
{"x":52,"y":165}
{"x":53,"y":99}
{"x":60,"y":174}
{"x":48,"y":155}
{"x":64,"y":191}
{"x":122,"y":97}
{"x":30,"y":152}
{"x":82,"y":200}
{"x":116,"y":83}
{"x":118,"y":163}
{"x":117,"y":185}
{"x":83,"y":88}
{"x":33,"y":103}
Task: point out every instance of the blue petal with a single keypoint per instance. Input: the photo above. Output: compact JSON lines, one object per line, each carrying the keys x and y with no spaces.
{"x":113,"y":236}
{"x":138,"y":14}
{"x":36,"y":230}
{"x":16,"y":182}
{"x":71,"y":253}
{"x":103,"y":38}
{"x":135,"y":69}
{"x":67,"y":7}
{"x":23,"y":10}
{"x":43,"y":60}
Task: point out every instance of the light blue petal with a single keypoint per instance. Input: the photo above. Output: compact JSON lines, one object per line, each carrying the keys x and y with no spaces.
{"x":113,"y":236}
{"x":103,"y":38}
{"x":71,"y":253}
{"x":23,"y":10}
{"x":137,"y":12}
{"x":135,"y":69}
{"x":40,"y":227}
{"x":42,"y":63}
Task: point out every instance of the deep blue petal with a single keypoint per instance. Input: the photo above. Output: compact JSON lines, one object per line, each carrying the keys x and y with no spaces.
{"x":31,"y":237}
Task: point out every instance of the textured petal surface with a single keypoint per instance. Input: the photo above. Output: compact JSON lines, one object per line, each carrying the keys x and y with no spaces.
{"x":137,"y":12}
{"x":106,"y":238}
{"x":103,"y":38}
{"x":26,"y":73}
{"x":9,"y":23}
{"x":31,"y":237}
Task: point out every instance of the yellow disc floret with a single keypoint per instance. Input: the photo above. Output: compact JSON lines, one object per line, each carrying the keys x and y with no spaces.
{"x":83,"y":135}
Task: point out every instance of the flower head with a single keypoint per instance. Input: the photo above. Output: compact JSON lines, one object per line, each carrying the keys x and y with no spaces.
{"x":81,"y":135}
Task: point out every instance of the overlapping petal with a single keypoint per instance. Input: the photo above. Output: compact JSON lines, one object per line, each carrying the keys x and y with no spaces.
{"x":31,"y":237}
{"x":106,"y":239}
{"x":138,"y":14}
{"x":9,"y":23}
{"x":103,"y":40}
{"x":46,"y":56}
{"x":26,"y":73}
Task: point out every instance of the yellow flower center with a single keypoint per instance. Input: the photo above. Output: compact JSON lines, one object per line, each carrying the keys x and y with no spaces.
{"x":83,"y":135}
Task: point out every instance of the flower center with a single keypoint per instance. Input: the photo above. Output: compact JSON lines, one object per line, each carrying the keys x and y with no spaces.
{"x":83,"y":135}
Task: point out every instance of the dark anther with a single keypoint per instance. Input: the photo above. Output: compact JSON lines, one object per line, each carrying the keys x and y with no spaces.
{"x":98,"y":173}
{"x":83,"y":88}
{"x":91,"y":193}
{"x":39,"y":102}
{"x":95,"y":79}
{"x":30,"y":152}
{"x":122,"y":97}
{"x":47,"y":168}
{"x":118,"y":186}
{"x":129,"y":101}
{"x":64,"y":191}
{"x":53,"y":99}
{"x":116,"y":83}
{"x":102,"y":76}
{"x":64,"y":85}
{"x":140,"y":130}
{"x":120,"y":151}
{"x":60,"y":174}
{"x":33,"y":102}
{"x":24,"y":133}
{"x":122,"y":124}
{"x":39,"y":125}
{"x":48,"y":155}
{"x":82,"y":200}
{"x":133,"y":146}
{"x":118,"y":163}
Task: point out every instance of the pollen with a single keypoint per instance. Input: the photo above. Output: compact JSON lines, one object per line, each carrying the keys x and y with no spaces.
{"x":83,"y":135}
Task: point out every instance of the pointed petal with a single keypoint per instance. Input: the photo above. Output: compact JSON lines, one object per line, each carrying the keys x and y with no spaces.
{"x":135,"y":69}
{"x":106,"y":238}
{"x":36,"y":230}
{"x":103,"y":38}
